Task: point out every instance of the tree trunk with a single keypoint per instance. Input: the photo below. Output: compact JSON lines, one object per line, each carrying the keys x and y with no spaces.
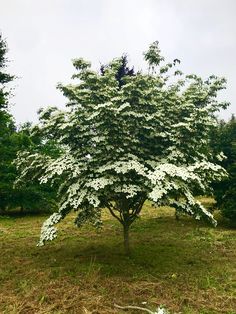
{"x":126,"y":212}
{"x":3,"y":210}
{"x":177,"y":215}
{"x":126,"y":239}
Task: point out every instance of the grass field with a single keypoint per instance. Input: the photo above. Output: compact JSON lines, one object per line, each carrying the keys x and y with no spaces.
{"x":184,"y":265}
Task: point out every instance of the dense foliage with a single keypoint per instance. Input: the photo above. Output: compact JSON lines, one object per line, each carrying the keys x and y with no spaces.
{"x":29,"y":195}
{"x":7,"y":130}
{"x":123,"y":141}
{"x":225,"y":191}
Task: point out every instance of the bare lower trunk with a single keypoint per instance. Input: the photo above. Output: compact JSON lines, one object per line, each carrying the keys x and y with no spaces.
{"x":126,"y":239}
{"x":126,"y":211}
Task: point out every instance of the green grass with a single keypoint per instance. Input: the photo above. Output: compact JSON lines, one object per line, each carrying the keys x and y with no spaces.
{"x":185,"y":265}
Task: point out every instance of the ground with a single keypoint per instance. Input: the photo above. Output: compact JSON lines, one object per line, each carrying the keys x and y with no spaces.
{"x":185,"y":265}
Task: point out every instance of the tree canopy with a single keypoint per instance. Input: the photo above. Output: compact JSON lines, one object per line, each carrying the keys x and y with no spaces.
{"x":123,"y":142}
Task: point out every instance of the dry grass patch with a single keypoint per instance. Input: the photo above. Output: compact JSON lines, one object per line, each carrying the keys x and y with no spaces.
{"x":184,"y":265}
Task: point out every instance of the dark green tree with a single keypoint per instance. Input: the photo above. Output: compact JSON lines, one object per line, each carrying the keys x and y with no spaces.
{"x":28,"y":195}
{"x":4,"y":77}
{"x":7,"y":129}
{"x":225,"y":191}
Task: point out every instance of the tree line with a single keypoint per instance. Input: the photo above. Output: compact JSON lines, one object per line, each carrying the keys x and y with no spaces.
{"x":30,"y":195}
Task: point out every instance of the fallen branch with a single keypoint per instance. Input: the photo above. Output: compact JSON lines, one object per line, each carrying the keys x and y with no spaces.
{"x":131,"y":307}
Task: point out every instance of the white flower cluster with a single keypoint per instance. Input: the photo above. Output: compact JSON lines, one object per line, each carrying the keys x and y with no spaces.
{"x":171,"y":170}
{"x":122,"y":167}
{"x":93,"y":200}
{"x":99,"y":183}
{"x":129,"y":190}
{"x":48,"y":231}
{"x":56,"y":167}
{"x":162,"y":189}
{"x":221,"y":156}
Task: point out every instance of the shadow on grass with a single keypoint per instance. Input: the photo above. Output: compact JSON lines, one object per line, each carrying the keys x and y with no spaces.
{"x":161,"y":248}
{"x":170,"y":261}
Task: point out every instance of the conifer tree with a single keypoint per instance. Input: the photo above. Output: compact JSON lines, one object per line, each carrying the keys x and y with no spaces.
{"x":29,"y":195}
{"x":7,"y":128}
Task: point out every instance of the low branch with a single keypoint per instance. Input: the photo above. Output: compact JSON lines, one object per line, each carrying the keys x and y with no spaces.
{"x":137,"y":210}
{"x":112,"y":213}
{"x":131,"y":307}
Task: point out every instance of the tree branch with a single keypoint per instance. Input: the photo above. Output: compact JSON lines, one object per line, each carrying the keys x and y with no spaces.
{"x":137,"y":210}
{"x":113,"y":214}
{"x":131,"y":307}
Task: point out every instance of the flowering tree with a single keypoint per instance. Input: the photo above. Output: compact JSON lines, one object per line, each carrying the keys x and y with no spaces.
{"x":122,"y":144}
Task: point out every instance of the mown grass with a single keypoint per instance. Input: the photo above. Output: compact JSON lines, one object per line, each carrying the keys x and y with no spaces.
{"x":185,"y":265}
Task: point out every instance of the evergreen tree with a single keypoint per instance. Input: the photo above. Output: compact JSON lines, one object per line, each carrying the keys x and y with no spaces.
{"x":7,"y":129}
{"x":4,"y":77}
{"x":225,"y":191}
{"x":29,"y":195}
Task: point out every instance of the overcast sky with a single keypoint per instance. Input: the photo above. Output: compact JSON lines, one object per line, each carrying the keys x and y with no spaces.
{"x":43,"y":36}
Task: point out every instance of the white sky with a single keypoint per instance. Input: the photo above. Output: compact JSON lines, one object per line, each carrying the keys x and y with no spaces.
{"x":43,"y":36}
